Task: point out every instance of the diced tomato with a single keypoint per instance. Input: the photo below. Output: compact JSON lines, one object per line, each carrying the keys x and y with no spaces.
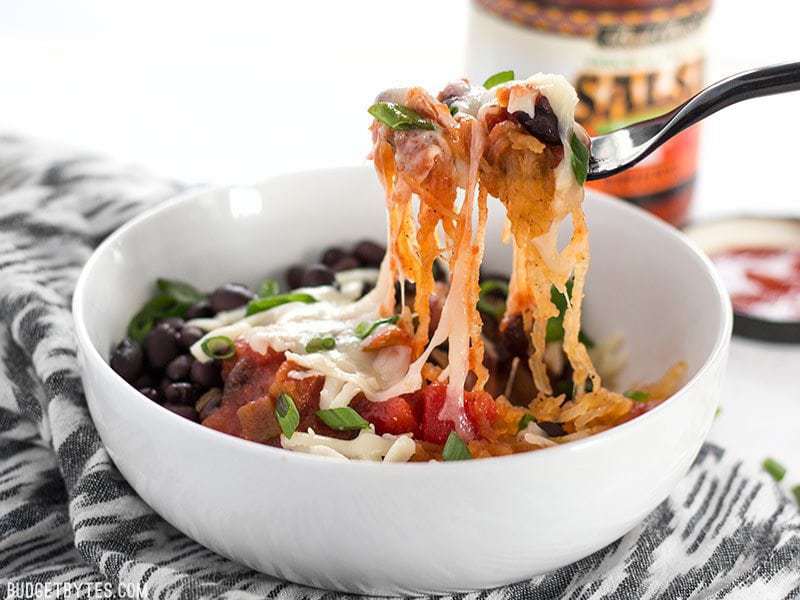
{"x":303,"y":390}
{"x":639,"y":408}
{"x":248,"y":379}
{"x":258,"y":420}
{"x":433,"y":429}
{"x":481,"y":410}
{"x":418,"y":413}
{"x":224,"y":419}
{"x":243,"y":350}
{"x":394,"y":415}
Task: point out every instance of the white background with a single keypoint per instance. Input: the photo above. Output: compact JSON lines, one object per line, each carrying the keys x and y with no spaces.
{"x":228,"y":92}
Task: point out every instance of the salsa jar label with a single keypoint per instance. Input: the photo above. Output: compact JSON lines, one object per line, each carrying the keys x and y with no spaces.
{"x":629,"y":60}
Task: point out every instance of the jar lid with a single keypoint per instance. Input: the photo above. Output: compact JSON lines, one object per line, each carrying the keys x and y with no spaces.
{"x":758,"y":258}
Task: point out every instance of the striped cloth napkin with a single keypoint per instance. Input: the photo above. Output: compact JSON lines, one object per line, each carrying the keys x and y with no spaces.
{"x":70,"y":525}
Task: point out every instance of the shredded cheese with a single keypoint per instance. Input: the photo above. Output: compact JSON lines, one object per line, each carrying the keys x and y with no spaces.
{"x":367,"y":446}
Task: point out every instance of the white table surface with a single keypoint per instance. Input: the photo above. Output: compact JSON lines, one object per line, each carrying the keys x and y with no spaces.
{"x":203,"y":93}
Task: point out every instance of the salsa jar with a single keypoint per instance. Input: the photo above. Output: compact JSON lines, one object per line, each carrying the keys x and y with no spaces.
{"x":629,"y":60}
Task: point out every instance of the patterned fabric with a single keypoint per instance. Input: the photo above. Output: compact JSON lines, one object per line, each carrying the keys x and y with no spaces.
{"x":67,"y":517}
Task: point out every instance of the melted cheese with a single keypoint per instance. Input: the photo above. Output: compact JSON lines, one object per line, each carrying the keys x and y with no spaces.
{"x":367,"y":446}
{"x":348,"y":369}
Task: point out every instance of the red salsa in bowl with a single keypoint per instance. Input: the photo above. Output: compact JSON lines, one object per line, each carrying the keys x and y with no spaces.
{"x":759,"y":262}
{"x":763,"y":282}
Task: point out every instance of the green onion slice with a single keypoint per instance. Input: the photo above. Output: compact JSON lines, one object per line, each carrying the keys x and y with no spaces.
{"x":398,"y":116}
{"x":455,"y":448}
{"x":492,"y":306}
{"x":172,"y":300}
{"x":342,"y":419}
{"x":494,"y":285}
{"x":178,"y":290}
{"x":796,"y":493}
{"x":287,"y":414}
{"x":318,"y":344}
{"x":498,"y":78}
{"x":219,"y":346}
{"x":159,"y":307}
{"x":261,"y":304}
{"x":774,"y":468}
{"x":365,"y":328}
{"x":269,"y":288}
{"x":523,"y":422}
{"x":453,"y":110}
{"x":580,"y":158}
{"x":495,"y":308}
{"x":555,"y":325}
{"x":637,"y":395}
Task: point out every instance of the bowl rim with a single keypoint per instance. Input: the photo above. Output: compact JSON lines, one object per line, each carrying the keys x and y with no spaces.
{"x":86,"y":345}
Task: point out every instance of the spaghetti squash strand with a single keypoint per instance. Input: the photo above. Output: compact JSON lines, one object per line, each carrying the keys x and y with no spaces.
{"x":576,"y":352}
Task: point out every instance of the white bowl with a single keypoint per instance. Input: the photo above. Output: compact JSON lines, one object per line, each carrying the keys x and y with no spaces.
{"x":400,"y":528}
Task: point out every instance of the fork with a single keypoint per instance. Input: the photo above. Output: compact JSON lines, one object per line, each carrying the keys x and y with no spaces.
{"x":621,"y":149}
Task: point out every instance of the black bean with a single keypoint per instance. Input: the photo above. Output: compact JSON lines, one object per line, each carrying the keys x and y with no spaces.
{"x":188,"y":335}
{"x":369,"y":253}
{"x":544,"y":123}
{"x":145,"y":381}
{"x":179,"y":367}
{"x":332,"y":255}
{"x":200,"y":310}
{"x":175,"y":322}
{"x":151,"y":393}
{"x":161,"y":345}
{"x":294,"y":276}
{"x":187,"y":412}
{"x":318,"y":275}
{"x":565,"y":385}
{"x":345,"y":264}
{"x":409,"y":287}
{"x":491,"y":357}
{"x":502,"y":356}
{"x":514,"y":338}
{"x":439,"y":272}
{"x":205,"y":374}
{"x":485,"y":275}
{"x":230,"y":296}
{"x":197,"y":391}
{"x":127,"y":359}
{"x":208,"y":403}
{"x":367,"y":288}
{"x":551,"y":429}
{"x":179,"y":393}
{"x":162,"y":385}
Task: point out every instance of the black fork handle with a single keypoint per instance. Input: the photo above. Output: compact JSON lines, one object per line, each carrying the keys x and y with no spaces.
{"x":743,"y":86}
{"x":755,"y":83}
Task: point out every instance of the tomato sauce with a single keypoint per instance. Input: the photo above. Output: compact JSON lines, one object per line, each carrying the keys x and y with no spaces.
{"x":762,"y":282}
